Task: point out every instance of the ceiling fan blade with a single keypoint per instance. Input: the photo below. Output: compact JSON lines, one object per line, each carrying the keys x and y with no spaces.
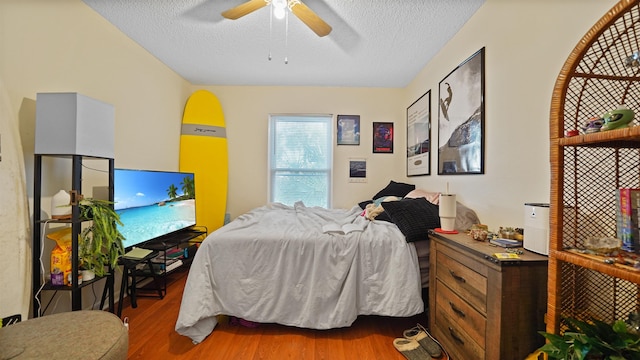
{"x":310,"y":18}
{"x":244,"y":9}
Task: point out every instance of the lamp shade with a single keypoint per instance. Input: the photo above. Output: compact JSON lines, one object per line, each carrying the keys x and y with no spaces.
{"x":74,"y":124}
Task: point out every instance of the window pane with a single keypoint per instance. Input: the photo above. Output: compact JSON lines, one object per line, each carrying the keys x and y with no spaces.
{"x":309,"y":187}
{"x":301,"y":145}
{"x":300,"y":159}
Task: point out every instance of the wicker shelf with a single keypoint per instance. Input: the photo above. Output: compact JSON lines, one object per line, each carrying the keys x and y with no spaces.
{"x":587,"y":170}
{"x":627,"y":137}
{"x":597,"y":263}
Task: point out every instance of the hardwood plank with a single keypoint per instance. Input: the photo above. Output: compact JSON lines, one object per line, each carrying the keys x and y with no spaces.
{"x":152,"y":335}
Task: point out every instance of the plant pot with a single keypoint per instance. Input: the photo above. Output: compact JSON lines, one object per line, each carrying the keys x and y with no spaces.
{"x":88,"y":275}
{"x":507,"y":235}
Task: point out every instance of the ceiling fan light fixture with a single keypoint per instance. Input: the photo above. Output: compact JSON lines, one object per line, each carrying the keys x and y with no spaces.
{"x":297,"y":7}
{"x":279,"y":8}
{"x":279,"y":4}
{"x":278,"y":13}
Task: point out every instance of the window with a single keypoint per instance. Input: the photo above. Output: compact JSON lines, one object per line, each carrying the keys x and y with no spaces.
{"x":300,"y":159}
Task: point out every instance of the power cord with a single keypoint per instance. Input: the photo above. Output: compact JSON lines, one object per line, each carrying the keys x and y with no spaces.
{"x":42,"y":273}
{"x":94,"y":169}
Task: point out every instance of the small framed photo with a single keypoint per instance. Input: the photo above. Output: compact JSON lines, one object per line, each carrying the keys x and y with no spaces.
{"x":357,"y":170}
{"x":348,"y":129}
{"x":383,"y":137}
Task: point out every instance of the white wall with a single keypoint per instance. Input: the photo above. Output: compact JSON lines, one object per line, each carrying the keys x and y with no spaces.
{"x":56,"y":46}
{"x":247,"y":112}
{"x":67,"y":47}
{"x":64,"y":46}
{"x":526,"y":43}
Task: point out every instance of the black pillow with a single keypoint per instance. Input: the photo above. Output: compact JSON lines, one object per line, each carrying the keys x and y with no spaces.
{"x":363,"y":204}
{"x":383,"y":216}
{"x":414,"y":217}
{"x":395,"y":189}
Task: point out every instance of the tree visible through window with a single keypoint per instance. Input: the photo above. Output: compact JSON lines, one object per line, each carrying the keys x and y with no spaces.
{"x":300,"y":159}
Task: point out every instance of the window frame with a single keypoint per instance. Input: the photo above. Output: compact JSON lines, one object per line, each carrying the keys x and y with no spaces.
{"x":271,"y":172}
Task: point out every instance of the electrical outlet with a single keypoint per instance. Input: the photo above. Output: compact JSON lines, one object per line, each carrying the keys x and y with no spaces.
{"x":10,"y":320}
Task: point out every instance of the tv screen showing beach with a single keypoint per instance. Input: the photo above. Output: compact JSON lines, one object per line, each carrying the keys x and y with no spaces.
{"x":153,"y":203}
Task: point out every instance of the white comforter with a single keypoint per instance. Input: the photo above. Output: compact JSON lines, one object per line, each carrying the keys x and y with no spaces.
{"x":275,"y":265}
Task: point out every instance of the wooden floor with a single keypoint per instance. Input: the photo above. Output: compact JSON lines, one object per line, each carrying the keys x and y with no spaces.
{"x":152,"y":336}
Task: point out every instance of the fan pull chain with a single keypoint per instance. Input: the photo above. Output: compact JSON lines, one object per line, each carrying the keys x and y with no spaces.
{"x":286,"y":37}
{"x":270,"y":29}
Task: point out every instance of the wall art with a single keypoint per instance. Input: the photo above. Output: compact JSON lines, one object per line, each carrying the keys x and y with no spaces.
{"x":419,"y":136}
{"x":348,"y":129}
{"x":383,"y":137}
{"x":461,"y":118}
{"x":358,"y":170}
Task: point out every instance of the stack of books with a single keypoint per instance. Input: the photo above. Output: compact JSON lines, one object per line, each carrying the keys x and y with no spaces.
{"x":165,"y":263}
{"x":627,"y":205}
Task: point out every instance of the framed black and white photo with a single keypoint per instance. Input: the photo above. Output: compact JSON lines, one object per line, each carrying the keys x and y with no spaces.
{"x":461,"y":118}
{"x":419,"y":136}
{"x":358,"y":170}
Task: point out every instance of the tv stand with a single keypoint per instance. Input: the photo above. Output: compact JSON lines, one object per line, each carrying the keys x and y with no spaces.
{"x":179,"y":246}
{"x":175,"y":239}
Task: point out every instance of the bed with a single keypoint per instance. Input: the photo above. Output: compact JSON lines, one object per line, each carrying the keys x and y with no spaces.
{"x":275,"y":264}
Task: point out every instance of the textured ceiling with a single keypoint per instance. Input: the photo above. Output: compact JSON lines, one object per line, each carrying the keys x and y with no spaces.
{"x":374,"y":43}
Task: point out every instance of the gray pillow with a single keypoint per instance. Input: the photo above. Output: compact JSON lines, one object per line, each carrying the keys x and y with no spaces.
{"x":465,"y":217}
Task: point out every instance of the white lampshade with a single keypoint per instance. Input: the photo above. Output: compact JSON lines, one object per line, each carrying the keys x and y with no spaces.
{"x":74,"y":124}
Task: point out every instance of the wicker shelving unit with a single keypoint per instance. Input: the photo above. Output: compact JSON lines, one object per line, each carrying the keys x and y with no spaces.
{"x":587,"y":169}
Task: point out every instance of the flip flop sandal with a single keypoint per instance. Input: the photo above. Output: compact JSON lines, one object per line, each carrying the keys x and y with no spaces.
{"x":422,"y":336}
{"x":411,"y":349}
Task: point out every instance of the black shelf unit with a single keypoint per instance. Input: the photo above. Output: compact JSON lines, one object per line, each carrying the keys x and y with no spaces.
{"x":76,"y":224}
{"x":160,"y":246}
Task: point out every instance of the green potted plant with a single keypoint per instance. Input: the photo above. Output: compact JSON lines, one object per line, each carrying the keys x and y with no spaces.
{"x":593,"y":339}
{"x":100,"y":242}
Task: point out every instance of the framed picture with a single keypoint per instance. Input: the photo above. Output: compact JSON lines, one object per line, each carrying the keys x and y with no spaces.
{"x":419,"y":136}
{"x":357,"y":170}
{"x":383,"y":137}
{"x":461,"y":118}
{"x":348,"y":129}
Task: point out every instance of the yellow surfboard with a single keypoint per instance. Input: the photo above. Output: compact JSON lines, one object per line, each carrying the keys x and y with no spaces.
{"x":203,"y":151}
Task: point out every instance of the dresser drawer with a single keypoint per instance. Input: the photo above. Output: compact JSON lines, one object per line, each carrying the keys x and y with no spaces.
{"x":465,"y":282}
{"x":455,"y":339}
{"x":453,"y":309}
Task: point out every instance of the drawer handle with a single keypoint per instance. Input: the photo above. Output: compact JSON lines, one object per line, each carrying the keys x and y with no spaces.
{"x":456,"y":310}
{"x":455,"y":336}
{"x":457,"y":277}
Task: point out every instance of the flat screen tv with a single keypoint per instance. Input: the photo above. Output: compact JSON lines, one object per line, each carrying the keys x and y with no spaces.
{"x":152,"y":204}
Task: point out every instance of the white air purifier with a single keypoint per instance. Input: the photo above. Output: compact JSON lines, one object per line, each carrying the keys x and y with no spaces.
{"x":536,"y":228}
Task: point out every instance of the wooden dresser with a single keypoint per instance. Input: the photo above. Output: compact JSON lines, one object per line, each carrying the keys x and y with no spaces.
{"x":481,"y":307}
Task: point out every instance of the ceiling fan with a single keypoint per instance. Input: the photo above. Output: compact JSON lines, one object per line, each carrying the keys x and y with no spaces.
{"x":299,"y":9}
